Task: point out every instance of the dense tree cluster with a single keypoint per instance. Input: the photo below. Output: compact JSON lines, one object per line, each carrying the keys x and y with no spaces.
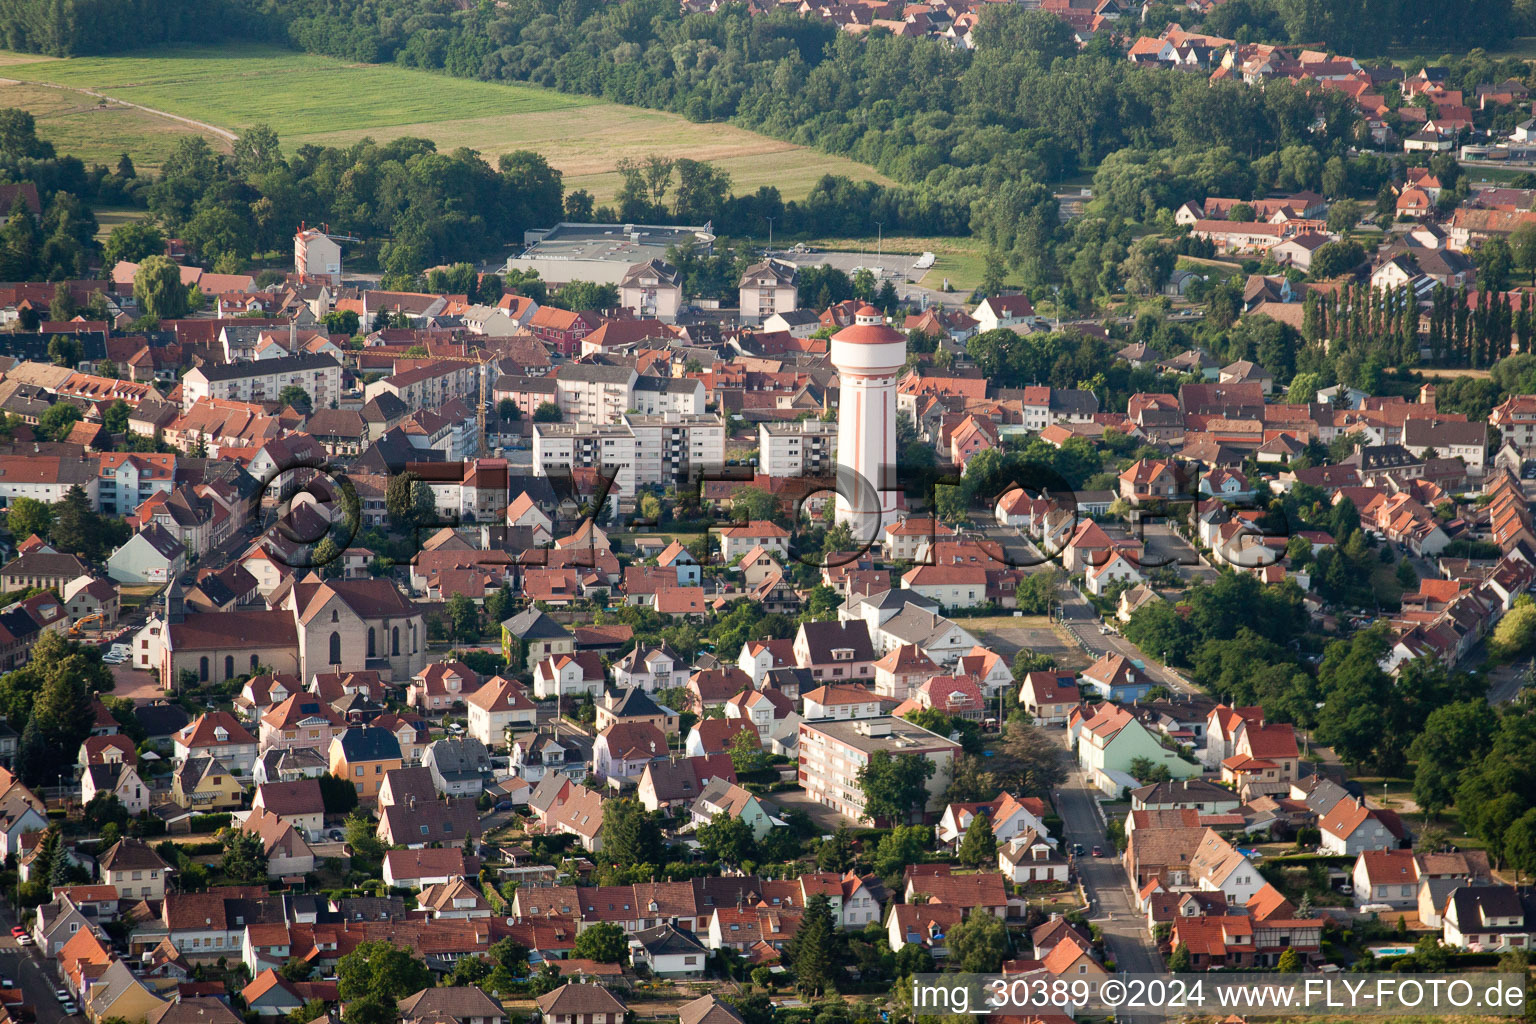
{"x":67,"y":28}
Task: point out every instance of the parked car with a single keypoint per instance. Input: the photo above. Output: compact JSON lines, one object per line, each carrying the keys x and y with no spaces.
{"x":69,"y":1008}
{"x":23,"y":939}
{"x":505,"y":805}
{"x":18,"y":931}
{"x":1077,"y":849}
{"x":61,"y":994}
{"x":1098,"y":851}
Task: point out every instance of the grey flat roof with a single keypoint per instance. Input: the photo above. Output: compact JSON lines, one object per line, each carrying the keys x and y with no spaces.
{"x":622,"y":243}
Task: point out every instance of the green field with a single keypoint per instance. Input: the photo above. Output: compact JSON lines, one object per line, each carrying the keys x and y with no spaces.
{"x":308,"y":98}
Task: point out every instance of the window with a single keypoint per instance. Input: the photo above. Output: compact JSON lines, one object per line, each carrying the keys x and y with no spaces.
{"x":255,"y":663}
{"x":358,"y":771}
{"x":424,"y":830}
{"x":202,"y":670}
{"x":229,"y":666}
{"x":394,"y":640}
{"x":335,"y":648}
{"x":370,"y":641}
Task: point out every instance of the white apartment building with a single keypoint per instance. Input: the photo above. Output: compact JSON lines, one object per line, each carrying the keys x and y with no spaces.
{"x":669,"y":447}
{"x":261,"y":381}
{"x":804,"y":448}
{"x":127,"y":479}
{"x":657,"y":396}
{"x":431,"y":386}
{"x":832,"y":752}
{"x":640,"y":451}
{"x":589,"y":393}
{"x":769,"y":287}
{"x":559,"y":448}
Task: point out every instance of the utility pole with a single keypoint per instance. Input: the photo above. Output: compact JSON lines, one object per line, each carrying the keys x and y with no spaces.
{"x":879,"y":242}
{"x":770,"y":234}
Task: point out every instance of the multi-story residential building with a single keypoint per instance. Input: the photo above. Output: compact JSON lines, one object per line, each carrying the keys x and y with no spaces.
{"x":671,"y":446}
{"x":658,"y":396}
{"x":431,"y":386}
{"x":560,"y":448}
{"x":127,"y":479}
{"x":769,"y":287}
{"x":46,"y":478}
{"x":594,"y":393}
{"x":797,"y":449}
{"x":262,"y":380}
{"x":653,"y":289}
{"x":832,"y":752}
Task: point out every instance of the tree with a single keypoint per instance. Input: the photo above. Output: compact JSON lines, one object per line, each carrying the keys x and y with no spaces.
{"x":894,"y":787}
{"x":746,"y":751}
{"x":1520,"y":844}
{"x":158,"y":290}
{"x":1179,"y":960}
{"x":903,"y":845}
{"x":295,"y":396}
{"x":133,"y":242}
{"x":1335,"y":259}
{"x":338,"y":794}
{"x":380,"y":970}
{"x":727,"y":839}
{"x":979,"y":944}
{"x":463,"y":617}
{"x":1290,"y":962}
{"x":811,"y":949}
{"x":400,"y":500}
{"x":342,"y":321}
{"x":296,"y":969}
{"x":836,"y":853}
{"x":76,"y":526}
{"x":631,"y":835}
{"x":63,"y":305}
{"x":244,"y":859}
{"x":1031,"y":761}
{"x":605,"y":943}
{"x":362,"y":836}
{"x":547,"y":412}
{"x":57,"y":421}
{"x":979,"y":847}
{"x":580,"y":295}
{"x":115,"y":419}
{"x":28,"y":517}
{"x":1344,"y":215}
{"x":507,"y":410}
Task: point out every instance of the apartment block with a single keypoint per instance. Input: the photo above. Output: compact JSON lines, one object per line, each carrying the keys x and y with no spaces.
{"x":261,"y":381}
{"x":832,"y":752}
{"x":800,"y":449}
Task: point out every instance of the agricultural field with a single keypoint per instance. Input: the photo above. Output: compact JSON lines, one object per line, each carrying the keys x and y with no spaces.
{"x":98,"y":107}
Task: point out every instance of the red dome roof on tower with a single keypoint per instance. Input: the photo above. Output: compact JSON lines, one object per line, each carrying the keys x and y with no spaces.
{"x":869,"y":328}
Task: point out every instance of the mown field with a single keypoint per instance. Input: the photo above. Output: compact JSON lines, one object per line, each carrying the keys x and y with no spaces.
{"x":307,"y":98}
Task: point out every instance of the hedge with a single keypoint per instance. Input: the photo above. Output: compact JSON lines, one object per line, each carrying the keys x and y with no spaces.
{"x":210,"y":823}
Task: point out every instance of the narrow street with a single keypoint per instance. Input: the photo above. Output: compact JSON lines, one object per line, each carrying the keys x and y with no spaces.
{"x":31,"y":972}
{"x":1110,"y":899}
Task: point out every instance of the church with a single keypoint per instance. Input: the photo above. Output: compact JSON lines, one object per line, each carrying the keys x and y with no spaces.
{"x":309,"y":626}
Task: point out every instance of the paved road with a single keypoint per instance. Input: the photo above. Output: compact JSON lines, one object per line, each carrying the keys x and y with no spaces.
{"x":1126,"y":939}
{"x":33,"y":974}
{"x":1082,"y":621}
